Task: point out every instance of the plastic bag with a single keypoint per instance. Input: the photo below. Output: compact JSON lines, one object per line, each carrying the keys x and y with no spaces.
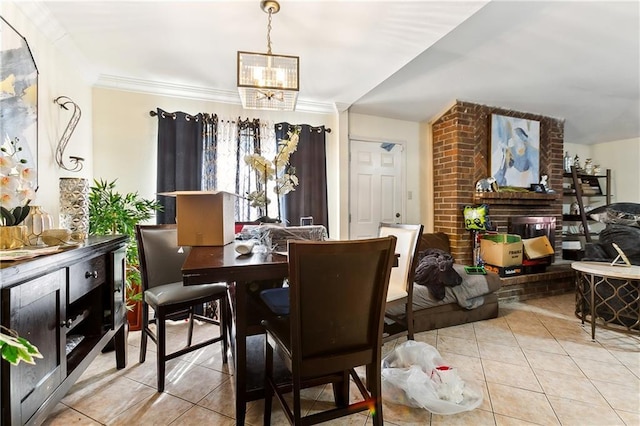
{"x":415,"y":374}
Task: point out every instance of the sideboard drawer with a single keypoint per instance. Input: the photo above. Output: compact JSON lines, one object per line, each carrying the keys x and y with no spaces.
{"x":85,"y":276}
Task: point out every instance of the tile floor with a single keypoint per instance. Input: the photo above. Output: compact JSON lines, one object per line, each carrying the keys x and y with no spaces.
{"x":535,"y":364}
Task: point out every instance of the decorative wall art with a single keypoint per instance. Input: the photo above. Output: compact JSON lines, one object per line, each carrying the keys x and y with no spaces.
{"x":18,"y":94}
{"x":515,"y":151}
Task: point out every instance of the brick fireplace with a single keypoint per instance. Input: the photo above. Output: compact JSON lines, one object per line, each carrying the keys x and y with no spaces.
{"x":461,"y":157}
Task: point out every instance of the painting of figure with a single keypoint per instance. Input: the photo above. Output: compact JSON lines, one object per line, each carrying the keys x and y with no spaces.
{"x":515,"y":151}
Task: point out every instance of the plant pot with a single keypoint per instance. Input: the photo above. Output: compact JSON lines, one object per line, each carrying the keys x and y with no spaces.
{"x":134,"y":317}
{"x":13,"y":237}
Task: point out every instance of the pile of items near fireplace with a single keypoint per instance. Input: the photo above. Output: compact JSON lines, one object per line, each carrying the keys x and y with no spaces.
{"x":510,"y":255}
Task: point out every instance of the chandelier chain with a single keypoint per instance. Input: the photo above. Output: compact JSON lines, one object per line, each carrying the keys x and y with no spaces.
{"x":269,"y":32}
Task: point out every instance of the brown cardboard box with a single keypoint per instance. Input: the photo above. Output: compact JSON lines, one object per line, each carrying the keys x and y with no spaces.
{"x":501,"y":249}
{"x":204,"y":218}
{"x":538,"y":247}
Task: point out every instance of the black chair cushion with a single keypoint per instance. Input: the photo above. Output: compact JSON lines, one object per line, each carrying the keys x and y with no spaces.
{"x":277,"y":300}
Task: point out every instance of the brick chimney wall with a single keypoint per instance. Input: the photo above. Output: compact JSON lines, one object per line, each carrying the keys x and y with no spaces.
{"x":461,"y":143}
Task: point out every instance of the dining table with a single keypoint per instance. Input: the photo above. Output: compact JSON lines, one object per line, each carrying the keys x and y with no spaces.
{"x":245,"y":275}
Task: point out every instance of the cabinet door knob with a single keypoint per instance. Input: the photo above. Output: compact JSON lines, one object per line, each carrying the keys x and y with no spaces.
{"x":66,"y":323}
{"x":90,"y":274}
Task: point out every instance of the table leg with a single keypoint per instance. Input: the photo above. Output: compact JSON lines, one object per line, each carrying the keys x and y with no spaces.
{"x":121,"y":346}
{"x":240,"y":349}
{"x":592,"y":287}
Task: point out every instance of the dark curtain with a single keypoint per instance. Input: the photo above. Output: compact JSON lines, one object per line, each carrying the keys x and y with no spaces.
{"x":179,"y":158}
{"x":310,"y":163}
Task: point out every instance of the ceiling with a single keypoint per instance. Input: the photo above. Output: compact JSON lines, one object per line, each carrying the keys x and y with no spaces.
{"x":408,"y":60}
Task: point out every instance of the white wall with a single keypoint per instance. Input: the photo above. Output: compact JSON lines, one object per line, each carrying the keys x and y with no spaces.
{"x":623,"y":158}
{"x":366,"y":127}
{"x":57,"y":76}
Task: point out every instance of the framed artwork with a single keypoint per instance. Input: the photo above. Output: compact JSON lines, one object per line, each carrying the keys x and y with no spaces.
{"x":514,"y":151}
{"x":18,"y":94}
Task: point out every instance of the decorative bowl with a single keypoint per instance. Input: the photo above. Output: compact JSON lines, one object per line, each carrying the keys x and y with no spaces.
{"x":54,"y":237}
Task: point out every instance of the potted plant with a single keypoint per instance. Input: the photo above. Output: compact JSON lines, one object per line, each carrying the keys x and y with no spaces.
{"x":111,"y":212}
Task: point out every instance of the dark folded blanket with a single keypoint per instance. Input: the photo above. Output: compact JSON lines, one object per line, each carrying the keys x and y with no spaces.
{"x":435,"y":271}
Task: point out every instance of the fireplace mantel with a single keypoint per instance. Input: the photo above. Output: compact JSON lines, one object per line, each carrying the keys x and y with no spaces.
{"x":514,"y":197}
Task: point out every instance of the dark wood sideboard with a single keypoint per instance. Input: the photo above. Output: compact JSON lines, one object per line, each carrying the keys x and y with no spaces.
{"x":71,"y":306}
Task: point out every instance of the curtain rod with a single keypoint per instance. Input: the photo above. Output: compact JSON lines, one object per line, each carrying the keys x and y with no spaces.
{"x":171,"y":115}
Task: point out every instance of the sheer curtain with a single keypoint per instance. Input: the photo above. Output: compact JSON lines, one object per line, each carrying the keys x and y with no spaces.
{"x":225,"y":145}
{"x":310,"y":196}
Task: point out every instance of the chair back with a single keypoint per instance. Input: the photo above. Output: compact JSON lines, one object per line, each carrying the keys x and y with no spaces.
{"x":160,"y":257}
{"x":401,"y":281}
{"x":337,"y":301}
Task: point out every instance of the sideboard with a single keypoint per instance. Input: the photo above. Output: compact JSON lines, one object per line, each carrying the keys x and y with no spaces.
{"x":70,"y":305}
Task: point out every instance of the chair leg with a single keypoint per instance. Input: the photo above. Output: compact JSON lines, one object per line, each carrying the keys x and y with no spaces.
{"x":376,"y":394}
{"x":144,"y":334}
{"x":409,"y":320}
{"x":224,"y":319}
{"x":190,"y":335}
{"x":268,"y":391}
{"x":161,"y":349}
{"x":341,"y":391}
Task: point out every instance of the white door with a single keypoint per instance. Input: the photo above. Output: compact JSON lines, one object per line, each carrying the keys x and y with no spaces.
{"x":376,"y":188}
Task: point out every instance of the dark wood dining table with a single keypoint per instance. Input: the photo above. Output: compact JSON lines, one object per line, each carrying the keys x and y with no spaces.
{"x":246,"y":276}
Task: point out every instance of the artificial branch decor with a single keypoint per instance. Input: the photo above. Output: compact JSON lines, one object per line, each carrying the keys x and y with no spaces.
{"x":278,"y":170}
{"x":17,"y":184}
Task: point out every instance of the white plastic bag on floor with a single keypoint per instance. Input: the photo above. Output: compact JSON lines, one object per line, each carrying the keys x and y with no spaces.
{"x":415,"y":375}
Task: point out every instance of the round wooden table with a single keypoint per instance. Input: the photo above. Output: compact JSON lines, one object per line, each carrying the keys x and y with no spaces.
{"x":611,"y":293}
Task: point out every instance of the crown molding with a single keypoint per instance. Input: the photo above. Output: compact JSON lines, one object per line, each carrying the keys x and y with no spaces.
{"x":195,"y":92}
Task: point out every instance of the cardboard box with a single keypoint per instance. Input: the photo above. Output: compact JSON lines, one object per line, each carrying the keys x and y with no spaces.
{"x":538,"y":247}
{"x":204,"y":218}
{"x":505,"y":271}
{"x":501,"y":249}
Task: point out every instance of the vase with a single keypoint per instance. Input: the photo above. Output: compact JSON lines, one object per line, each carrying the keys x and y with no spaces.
{"x":36,"y":222}
{"x":13,"y":237}
{"x":74,"y":207}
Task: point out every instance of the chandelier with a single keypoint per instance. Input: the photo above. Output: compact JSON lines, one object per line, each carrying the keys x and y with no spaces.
{"x":265,"y":80}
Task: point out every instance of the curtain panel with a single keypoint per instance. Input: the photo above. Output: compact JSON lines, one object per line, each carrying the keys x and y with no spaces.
{"x":179,"y":160}
{"x":202,"y":152}
{"x":310,"y":163}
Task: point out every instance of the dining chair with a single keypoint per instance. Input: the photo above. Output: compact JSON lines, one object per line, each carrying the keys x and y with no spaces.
{"x":161,"y":263}
{"x":401,"y":281}
{"x":337,"y":299}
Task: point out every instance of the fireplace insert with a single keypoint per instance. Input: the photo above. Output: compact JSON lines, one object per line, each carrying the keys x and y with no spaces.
{"x":534,"y":226}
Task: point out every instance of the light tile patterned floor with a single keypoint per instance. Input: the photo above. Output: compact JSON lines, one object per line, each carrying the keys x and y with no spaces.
{"x":535,"y":363}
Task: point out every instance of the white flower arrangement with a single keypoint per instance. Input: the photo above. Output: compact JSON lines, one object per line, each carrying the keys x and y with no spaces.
{"x":17,"y":184}
{"x":278,"y":170}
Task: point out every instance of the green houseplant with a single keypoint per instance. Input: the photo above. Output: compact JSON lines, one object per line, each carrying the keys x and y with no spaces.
{"x":15,"y":348}
{"x":111,"y":212}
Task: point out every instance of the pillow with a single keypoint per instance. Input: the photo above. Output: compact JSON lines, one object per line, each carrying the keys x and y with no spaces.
{"x":476,"y":218}
{"x":622,"y":218}
{"x":438,"y":240}
{"x":600,"y":213}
